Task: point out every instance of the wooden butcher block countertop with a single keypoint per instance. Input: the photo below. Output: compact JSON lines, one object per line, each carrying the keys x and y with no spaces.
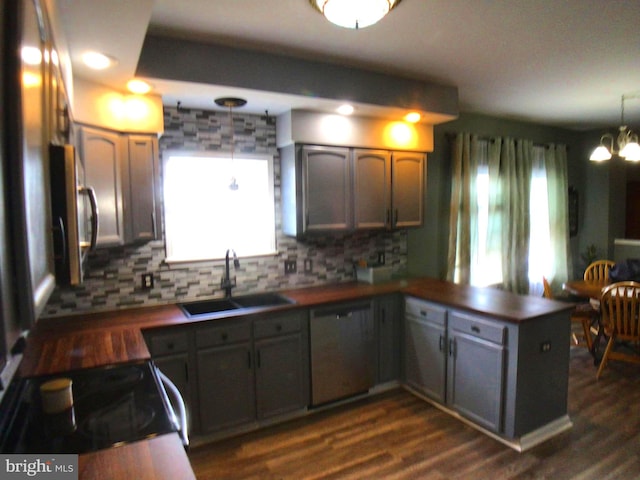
{"x":57,"y":345}
{"x":89,"y":340}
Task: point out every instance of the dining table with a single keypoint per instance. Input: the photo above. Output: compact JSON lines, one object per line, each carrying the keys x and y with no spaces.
{"x":585,"y":288}
{"x":591,"y":289}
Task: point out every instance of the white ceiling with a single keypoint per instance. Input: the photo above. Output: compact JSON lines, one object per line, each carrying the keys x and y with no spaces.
{"x":555,"y":62}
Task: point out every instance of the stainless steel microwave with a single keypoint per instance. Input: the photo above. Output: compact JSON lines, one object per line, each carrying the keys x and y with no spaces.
{"x":74,"y":213}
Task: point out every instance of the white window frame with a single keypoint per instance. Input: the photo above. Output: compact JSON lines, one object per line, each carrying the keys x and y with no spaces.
{"x":244,"y":243}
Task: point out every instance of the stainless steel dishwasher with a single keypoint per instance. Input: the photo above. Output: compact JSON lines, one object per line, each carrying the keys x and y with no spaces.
{"x":342,"y":351}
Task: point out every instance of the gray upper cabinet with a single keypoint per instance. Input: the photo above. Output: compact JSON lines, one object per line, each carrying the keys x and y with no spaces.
{"x":408,"y":174}
{"x":101,"y":153}
{"x":335,"y":189}
{"x":316,"y":189}
{"x":372,"y":188}
{"x":124,"y":172}
{"x":141,"y":199}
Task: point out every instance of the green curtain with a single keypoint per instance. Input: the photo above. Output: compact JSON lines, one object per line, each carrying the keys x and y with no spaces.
{"x":555,"y":162}
{"x":463,"y":211}
{"x":515,"y":173}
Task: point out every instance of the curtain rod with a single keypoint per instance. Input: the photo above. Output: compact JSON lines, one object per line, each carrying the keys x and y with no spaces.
{"x":452,"y":136}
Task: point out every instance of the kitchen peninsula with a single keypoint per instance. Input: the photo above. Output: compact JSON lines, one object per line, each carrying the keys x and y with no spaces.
{"x":530,"y":334}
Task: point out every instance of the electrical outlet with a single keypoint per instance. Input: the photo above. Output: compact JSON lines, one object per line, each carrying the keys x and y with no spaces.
{"x":290,"y":266}
{"x":308,"y":265}
{"x":147,"y":281}
{"x":545,"y":346}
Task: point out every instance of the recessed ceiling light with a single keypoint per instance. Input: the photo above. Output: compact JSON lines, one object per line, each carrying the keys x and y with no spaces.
{"x":412,"y":117}
{"x":31,"y":55}
{"x":97,"y":61}
{"x":138,"y":86}
{"x":345,"y":109}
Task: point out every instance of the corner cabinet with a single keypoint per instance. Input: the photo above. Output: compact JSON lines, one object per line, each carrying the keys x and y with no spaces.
{"x":124,"y":172}
{"x":336,"y":189}
{"x":388,"y":321}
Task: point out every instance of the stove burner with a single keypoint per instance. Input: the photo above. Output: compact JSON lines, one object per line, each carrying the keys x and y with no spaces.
{"x":113,"y":378}
{"x":121,"y":419}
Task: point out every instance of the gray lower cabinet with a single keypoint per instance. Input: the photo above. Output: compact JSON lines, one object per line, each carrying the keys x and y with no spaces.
{"x":475,"y":377}
{"x":282,"y":363}
{"x":279,"y":375}
{"x":387,"y":313}
{"x":224,"y":361}
{"x":425,"y":348}
{"x":456,"y":359}
{"x":251,"y":369}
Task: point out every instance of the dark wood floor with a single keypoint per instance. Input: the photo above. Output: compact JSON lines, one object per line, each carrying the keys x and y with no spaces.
{"x":397,"y":436}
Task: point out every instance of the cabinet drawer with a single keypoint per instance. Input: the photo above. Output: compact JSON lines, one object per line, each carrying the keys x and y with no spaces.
{"x":477,"y":327}
{"x":223,"y":334}
{"x":279,"y":325}
{"x":425,"y":310}
{"x":168,"y":343}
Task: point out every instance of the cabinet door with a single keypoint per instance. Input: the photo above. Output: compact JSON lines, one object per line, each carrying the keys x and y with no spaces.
{"x":408,"y":173}
{"x":102,"y":157}
{"x":140,"y":207}
{"x":476,"y":378}
{"x":425,"y":357}
{"x":225,"y":387}
{"x":387,"y":313}
{"x":372,"y":191}
{"x":279,"y":375}
{"x":327,"y":188}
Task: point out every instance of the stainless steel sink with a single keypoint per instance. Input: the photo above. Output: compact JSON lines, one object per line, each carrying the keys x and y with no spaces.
{"x":245,"y":302}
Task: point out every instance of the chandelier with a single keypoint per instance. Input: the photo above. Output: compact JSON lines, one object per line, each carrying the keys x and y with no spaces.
{"x":627,"y":141}
{"x":354,"y":13}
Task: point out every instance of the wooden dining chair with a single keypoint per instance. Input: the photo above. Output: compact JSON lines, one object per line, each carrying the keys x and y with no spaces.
{"x":582,"y":316}
{"x":620,"y":318}
{"x":598,"y":270}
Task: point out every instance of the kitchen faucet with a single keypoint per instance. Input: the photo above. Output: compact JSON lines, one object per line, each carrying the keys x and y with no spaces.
{"x":227,"y":283}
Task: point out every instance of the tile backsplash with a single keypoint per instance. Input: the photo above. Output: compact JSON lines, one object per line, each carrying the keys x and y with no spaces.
{"x":113,"y":279}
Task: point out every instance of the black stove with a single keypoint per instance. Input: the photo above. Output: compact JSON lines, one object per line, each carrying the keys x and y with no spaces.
{"x":111,"y":406}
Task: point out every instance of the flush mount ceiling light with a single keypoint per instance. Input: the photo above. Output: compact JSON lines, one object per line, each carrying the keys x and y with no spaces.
{"x":354,"y":13}
{"x":627,"y":141}
{"x":412,"y":117}
{"x":345,"y":109}
{"x":138,"y":86}
{"x":231,"y":103}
